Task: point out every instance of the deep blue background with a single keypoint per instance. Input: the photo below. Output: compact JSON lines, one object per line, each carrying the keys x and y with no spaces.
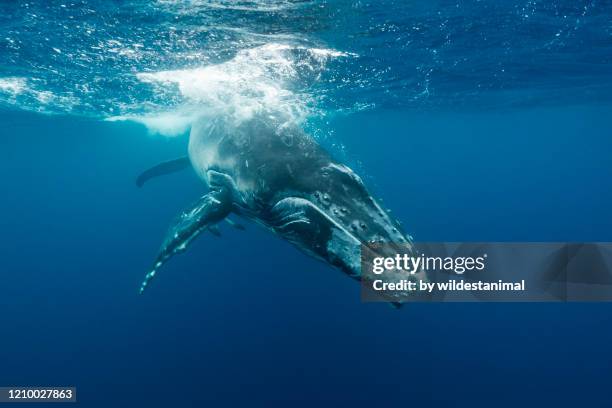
{"x":248,"y":320}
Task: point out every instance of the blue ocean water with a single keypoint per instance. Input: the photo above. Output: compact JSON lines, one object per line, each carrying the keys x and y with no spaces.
{"x":471,"y":120}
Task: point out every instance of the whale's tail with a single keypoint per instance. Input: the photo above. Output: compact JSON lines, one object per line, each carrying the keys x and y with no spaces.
{"x":167,"y":167}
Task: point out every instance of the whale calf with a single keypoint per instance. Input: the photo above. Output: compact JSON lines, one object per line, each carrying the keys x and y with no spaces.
{"x":281,"y":178}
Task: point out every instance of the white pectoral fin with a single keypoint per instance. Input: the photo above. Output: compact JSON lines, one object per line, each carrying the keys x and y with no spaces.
{"x":207,"y":211}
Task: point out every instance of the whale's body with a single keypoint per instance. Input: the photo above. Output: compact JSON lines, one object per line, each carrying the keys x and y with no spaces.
{"x":279,"y":177}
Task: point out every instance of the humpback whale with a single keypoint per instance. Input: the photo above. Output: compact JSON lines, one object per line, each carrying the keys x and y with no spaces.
{"x":279,"y":177}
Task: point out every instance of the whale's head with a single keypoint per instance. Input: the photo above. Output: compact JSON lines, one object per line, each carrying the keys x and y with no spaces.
{"x":335,"y":218}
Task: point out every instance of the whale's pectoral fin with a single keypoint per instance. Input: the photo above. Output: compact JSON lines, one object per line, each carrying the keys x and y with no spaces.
{"x":167,"y":167}
{"x":207,"y":211}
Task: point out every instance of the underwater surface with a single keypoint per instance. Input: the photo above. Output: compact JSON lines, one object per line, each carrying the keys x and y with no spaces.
{"x":471,"y":120}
